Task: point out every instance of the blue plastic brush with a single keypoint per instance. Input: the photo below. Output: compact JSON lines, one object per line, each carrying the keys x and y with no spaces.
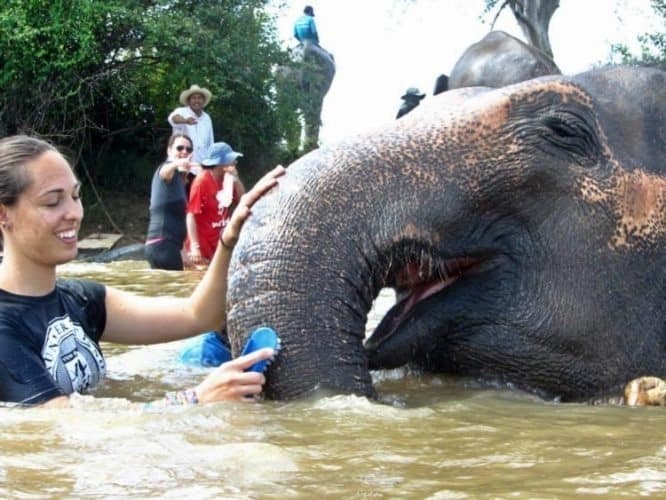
{"x":260,"y":338}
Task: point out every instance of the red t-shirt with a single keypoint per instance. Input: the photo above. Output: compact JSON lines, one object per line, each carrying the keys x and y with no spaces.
{"x":209,"y":215}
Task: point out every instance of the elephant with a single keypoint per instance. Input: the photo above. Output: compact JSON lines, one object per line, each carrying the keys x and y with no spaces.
{"x":312,"y":71}
{"x":497,"y":60}
{"x":523,"y":229}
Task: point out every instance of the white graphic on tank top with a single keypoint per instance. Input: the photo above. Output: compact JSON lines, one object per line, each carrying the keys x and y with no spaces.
{"x":224,"y":199}
{"x":71,"y":357}
{"x":226,"y":196}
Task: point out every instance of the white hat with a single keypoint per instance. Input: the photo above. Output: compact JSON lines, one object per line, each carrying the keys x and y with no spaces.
{"x":195,"y":89}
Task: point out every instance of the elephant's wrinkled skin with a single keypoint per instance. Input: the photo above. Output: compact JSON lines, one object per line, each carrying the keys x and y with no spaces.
{"x":498,"y":60}
{"x":524,"y":226}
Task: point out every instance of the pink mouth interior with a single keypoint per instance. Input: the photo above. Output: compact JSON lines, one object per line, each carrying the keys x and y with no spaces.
{"x":420,"y":286}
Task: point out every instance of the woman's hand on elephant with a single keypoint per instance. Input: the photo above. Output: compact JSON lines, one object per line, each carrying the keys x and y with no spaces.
{"x":229,"y":236}
{"x":230,"y":381}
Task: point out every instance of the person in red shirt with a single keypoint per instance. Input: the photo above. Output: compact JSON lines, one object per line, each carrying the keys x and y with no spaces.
{"x":213,"y":194}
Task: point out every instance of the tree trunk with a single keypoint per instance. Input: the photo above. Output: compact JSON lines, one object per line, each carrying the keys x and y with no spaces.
{"x":533,"y":17}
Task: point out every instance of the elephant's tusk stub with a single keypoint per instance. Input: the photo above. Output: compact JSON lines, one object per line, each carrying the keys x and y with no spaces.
{"x":645,"y":391}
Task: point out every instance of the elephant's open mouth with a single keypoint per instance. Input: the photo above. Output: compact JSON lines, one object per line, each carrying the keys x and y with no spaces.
{"x":414,"y":283}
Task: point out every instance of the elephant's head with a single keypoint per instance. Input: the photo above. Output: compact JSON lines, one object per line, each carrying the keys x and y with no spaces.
{"x":523,"y":227}
{"x":497,"y":60}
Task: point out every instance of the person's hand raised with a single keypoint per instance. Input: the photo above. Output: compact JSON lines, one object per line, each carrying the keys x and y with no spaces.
{"x":182,"y":165}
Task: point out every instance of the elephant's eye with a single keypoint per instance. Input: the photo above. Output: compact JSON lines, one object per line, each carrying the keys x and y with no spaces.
{"x":571,"y":134}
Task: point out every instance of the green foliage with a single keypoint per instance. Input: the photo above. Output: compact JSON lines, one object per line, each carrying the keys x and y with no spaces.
{"x":653,"y":45}
{"x":101,"y":76}
{"x":488,"y":6}
{"x":48,"y":49}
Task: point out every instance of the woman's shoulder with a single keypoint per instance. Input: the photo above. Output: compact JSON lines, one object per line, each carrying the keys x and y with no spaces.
{"x":159,"y":168}
{"x":82,"y":289}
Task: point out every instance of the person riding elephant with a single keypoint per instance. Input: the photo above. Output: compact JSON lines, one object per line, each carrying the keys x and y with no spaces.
{"x":523,"y":228}
{"x":305,"y":31}
{"x":313,"y":70}
{"x":305,"y":28}
{"x":411,"y":98}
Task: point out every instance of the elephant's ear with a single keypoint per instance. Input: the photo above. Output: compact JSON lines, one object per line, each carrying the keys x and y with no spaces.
{"x":631,"y":105}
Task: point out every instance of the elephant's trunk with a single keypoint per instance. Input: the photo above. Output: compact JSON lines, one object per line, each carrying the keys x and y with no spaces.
{"x":317,"y":251}
{"x":320,"y":318}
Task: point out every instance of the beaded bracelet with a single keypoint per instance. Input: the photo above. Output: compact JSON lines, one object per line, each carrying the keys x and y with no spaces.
{"x":179,"y":398}
{"x":174,"y":398}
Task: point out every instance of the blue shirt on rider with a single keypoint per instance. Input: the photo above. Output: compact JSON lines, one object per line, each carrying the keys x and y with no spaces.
{"x":305,"y":29}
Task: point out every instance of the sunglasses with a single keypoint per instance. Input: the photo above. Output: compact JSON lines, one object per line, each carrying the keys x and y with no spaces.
{"x":186,"y":148}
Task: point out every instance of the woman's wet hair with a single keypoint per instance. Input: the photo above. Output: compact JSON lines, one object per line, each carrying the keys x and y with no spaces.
{"x":15,"y":152}
{"x":173,"y":138}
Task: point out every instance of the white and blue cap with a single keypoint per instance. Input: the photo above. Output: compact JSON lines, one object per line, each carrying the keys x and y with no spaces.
{"x":220,"y":153}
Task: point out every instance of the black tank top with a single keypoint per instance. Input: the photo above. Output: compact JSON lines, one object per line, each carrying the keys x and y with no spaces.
{"x":168,"y":203}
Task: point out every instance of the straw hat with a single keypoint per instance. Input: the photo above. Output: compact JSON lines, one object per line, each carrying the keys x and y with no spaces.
{"x":195,"y":89}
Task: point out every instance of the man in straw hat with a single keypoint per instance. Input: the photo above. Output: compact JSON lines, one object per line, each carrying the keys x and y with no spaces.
{"x":192,"y":120}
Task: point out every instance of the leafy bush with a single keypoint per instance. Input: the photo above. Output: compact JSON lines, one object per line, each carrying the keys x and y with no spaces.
{"x":101,"y":76}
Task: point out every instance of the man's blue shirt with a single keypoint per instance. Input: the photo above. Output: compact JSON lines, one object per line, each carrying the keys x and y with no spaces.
{"x":305,"y":29}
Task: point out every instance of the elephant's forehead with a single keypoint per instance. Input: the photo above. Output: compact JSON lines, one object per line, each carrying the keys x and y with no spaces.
{"x":477,"y":117}
{"x":479,"y":112}
{"x":471,"y":112}
{"x":461,"y":125}
{"x":471,"y":119}
{"x":556,"y":86}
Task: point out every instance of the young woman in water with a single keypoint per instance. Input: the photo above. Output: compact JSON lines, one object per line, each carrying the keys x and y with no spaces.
{"x":50,"y":328}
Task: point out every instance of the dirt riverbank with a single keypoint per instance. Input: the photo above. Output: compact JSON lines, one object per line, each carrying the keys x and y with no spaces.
{"x":118,"y":213}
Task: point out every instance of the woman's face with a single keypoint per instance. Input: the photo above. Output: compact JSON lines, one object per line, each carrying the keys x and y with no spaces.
{"x":181,"y":148}
{"x":44,"y":223}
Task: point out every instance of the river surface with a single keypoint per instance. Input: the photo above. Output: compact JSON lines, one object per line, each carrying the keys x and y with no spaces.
{"x":430,"y":437}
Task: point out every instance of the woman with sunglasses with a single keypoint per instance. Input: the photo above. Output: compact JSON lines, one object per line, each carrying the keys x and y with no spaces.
{"x":168,"y":203}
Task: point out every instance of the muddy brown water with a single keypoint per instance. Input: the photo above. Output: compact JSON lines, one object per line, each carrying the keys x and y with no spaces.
{"x":430,"y":436}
